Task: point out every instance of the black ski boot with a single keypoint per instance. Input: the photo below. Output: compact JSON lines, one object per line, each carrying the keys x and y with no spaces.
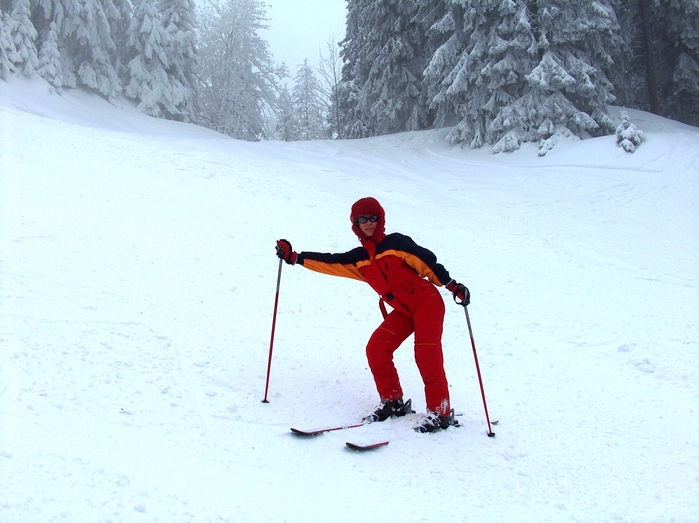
{"x":388,"y":409}
{"x":432,"y":421}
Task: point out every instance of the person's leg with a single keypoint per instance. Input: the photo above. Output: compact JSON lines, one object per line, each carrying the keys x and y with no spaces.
{"x":379,"y":351}
{"x":428,"y":324}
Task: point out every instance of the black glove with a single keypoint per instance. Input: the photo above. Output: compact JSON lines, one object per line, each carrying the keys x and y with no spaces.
{"x":462,"y":296}
{"x":286,"y":252}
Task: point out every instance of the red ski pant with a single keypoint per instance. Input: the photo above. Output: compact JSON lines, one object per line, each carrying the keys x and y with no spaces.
{"x":423,"y":314}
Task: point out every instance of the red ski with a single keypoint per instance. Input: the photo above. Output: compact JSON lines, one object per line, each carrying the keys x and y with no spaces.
{"x":371,"y":446}
{"x":316,"y":432}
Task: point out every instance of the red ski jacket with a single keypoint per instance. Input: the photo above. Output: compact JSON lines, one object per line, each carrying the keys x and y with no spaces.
{"x":394,"y":267}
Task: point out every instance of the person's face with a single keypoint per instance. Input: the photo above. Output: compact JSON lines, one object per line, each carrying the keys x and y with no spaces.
{"x":369,"y":225}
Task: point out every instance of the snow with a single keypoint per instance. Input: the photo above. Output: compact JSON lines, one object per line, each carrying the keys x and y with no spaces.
{"x":137,"y":282}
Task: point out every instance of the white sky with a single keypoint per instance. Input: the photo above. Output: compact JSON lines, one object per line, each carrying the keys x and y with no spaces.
{"x":300,"y":29}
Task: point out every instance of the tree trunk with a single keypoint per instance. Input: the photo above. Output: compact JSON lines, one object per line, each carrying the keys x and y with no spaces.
{"x":648,"y":47}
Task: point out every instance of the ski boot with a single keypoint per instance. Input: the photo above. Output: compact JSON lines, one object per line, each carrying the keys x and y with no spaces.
{"x":388,"y":409}
{"x":433,"y":421}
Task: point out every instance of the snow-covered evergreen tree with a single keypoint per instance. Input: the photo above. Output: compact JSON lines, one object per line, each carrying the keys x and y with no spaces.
{"x":355,"y":124}
{"x":568,"y":87}
{"x":308,"y":105}
{"x":628,"y":135}
{"x":435,"y":19}
{"x":626,"y":74}
{"x":523,"y":70}
{"x":23,"y":35}
{"x":569,"y":90}
{"x":449,"y":29}
{"x":479,"y":69}
{"x":384,"y":54}
{"x":7,"y":46}
{"x":120,"y":35}
{"x":287,"y":127}
{"x":179,"y":20}
{"x":657,"y":69}
{"x":238,"y":79}
{"x":149,"y":81}
{"x":93,"y":43}
{"x":50,"y":67}
{"x":355,"y":71}
{"x":88,"y":52}
{"x":683,"y":36}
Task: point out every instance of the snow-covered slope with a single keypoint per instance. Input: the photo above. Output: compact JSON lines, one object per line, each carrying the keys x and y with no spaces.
{"x":137,"y":281}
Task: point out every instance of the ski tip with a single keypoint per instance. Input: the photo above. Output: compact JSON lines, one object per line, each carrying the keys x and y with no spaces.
{"x":371,"y":446}
{"x":300,"y":432}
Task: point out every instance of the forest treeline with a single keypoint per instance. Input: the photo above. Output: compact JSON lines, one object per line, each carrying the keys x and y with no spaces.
{"x":498,"y":73}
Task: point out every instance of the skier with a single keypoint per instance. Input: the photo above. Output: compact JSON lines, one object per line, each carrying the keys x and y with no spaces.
{"x":396,"y":268}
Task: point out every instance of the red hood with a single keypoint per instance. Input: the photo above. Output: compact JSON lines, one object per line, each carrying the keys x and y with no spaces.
{"x":367,"y":207}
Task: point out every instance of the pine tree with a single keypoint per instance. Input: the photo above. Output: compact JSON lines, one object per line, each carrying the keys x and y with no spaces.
{"x":569,"y":90}
{"x":50,"y":67}
{"x":392,"y":94}
{"x":435,"y":20}
{"x":7,"y":47}
{"x":120,"y":35}
{"x":683,"y":36}
{"x":480,"y":67}
{"x":355,"y":71}
{"x":448,"y":30}
{"x":383,"y":50}
{"x":23,"y":35}
{"x":287,"y":127}
{"x":657,"y":69}
{"x":88,"y":52}
{"x":355,"y":124}
{"x":307,"y":103}
{"x":516,"y":71}
{"x":149,"y":81}
{"x":624,"y":74}
{"x":178,"y":19}
{"x":67,"y":17}
{"x":628,"y":136}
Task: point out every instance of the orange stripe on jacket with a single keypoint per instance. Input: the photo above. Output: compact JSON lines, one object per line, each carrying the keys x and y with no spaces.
{"x":416,"y":263}
{"x":334,"y":269}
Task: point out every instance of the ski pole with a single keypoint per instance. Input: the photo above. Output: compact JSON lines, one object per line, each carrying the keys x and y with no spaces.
{"x":274,"y":323}
{"x":478,"y":371}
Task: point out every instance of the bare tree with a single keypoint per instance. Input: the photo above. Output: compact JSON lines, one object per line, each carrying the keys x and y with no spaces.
{"x":330,"y":71}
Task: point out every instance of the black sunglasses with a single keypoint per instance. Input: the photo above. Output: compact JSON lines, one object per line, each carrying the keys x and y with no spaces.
{"x":364,"y":219}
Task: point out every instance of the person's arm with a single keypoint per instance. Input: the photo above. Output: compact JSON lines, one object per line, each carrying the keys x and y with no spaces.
{"x":341,"y":264}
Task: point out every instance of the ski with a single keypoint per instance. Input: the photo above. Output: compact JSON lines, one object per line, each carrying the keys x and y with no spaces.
{"x":370,"y":446}
{"x":316,"y":432}
{"x":299,"y":432}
